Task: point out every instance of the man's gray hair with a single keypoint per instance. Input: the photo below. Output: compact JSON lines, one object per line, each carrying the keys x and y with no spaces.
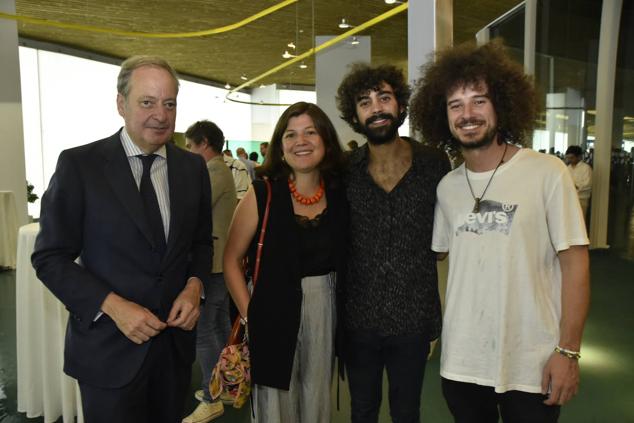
{"x":135,"y":62}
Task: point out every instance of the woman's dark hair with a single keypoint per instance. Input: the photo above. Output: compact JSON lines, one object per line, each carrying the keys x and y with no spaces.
{"x":510,"y":91}
{"x":206,"y":130}
{"x":362,"y":78}
{"x":331,"y":165}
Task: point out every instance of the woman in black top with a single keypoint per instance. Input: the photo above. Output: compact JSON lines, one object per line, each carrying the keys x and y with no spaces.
{"x":291,"y":313}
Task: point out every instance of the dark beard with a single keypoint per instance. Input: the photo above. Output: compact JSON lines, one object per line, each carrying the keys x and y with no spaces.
{"x":485,"y":141}
{"x":382,"y":135}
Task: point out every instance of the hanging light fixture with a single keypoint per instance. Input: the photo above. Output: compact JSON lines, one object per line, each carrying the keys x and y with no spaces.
{"x":303,"y":65}
{"x":243,"y":77}
{"x":354,"y":41}
{"x":291,"y":45}
{"x":344,"y":24}
{"x":287,"y":55}
{"x":227,"y":86}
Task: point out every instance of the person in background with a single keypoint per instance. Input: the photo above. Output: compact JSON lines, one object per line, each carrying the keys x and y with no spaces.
{"x":581,"y":173}
{"x":136,"y":211}
{"x":206,"y":139}
{"x":518,"y":288}
{"x":291,"y":314}
{"x":242,"y":156}
{"x":263,"y":149}
{"x":253,"y":156}
{"x":391,"y":302}
{"x":241,"y":178}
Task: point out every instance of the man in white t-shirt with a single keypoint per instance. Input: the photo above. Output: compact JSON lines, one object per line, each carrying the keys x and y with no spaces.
{"x":581,"y":173}
{"x":509,"y":220}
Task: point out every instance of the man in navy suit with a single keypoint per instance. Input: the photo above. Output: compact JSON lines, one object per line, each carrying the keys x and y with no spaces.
{"x":136,"y":212}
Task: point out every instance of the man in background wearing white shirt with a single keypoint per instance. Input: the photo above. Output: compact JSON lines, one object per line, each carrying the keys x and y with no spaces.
{"x":581,"y":173}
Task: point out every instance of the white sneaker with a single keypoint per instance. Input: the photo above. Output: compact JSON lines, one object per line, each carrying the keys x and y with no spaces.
{"x":205,"y":412}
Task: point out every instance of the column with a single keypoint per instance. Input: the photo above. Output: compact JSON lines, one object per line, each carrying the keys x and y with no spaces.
{"x":608,"y":46}
{"x":12,"y":169}
{"x":331,"y":65}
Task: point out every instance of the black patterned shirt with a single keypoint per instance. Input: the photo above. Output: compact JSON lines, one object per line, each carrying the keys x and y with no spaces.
{"x":392,"y":282}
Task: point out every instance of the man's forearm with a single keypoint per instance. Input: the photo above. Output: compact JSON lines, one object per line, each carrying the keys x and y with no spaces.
{"x":575,"y":295}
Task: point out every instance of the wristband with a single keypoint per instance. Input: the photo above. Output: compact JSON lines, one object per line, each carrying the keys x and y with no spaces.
{"x":574,"y":355}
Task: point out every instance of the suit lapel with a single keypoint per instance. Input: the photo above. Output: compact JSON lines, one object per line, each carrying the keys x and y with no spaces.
{"x":119,"y":175}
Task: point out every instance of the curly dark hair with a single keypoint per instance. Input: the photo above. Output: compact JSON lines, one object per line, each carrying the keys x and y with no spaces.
{"x":510,"y":90}
{"x":360,"y":79}
{"x":332,"y":163}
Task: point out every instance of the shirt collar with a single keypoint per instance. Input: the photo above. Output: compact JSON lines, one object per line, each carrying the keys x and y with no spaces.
{"x":133,"y":150}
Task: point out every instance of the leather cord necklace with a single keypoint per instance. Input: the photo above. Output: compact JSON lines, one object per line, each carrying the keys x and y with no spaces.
{"x":476,"y":205}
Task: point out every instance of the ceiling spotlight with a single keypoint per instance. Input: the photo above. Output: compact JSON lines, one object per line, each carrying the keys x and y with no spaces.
{"x":354,"y":41}
{"x":243,"y":77}
{"x":287,"y":55}
{"x":291,"y":45}
{"x":344,"y":24}
{"x":303,"y":65}
{"x":393,"y":2}
{"x":227,"y":86}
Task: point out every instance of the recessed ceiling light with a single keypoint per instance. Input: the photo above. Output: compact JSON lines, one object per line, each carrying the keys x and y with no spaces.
{"x":287,"y":55}
{"x":303,"y":65}
{"x":227,"y":86}
{"x":354,"y":41}
{"x":243,"y":77}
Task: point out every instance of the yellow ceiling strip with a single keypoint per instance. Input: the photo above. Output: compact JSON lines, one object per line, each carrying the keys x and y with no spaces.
{"x":213,"y":31}
{"x":311,"y":52}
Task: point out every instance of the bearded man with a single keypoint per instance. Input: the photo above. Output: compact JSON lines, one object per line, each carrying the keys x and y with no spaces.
{"x":391,"y":307}
{"x":518,"y":288}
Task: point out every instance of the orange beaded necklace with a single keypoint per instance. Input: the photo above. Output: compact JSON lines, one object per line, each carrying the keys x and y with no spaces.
{"x":307,"y":201}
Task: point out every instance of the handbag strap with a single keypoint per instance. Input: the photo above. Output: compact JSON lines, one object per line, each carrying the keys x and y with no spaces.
{"x":236,"y":329}
{"x":265,"y":220}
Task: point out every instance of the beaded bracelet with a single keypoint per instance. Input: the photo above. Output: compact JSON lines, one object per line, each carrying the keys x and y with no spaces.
{"x":575,"y":355}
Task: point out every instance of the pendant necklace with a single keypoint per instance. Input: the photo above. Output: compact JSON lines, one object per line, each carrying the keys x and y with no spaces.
{"x":476,"y":205}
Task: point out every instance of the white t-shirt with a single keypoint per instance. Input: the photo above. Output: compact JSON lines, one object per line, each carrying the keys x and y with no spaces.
{"x":582,"y":178}
{"x":503,"y":302}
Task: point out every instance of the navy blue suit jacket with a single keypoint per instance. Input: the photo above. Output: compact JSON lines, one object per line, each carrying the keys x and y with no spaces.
{"x":92,"y":209}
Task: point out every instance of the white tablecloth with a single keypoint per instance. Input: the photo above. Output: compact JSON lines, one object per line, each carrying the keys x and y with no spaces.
{"x":43,"y":388}
{"x":8,"y":229}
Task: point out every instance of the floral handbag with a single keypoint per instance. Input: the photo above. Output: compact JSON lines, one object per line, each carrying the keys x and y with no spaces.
{"x":231,"y":377}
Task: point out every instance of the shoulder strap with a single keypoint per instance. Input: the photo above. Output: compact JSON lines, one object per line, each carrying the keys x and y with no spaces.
{"x":265,"y":220}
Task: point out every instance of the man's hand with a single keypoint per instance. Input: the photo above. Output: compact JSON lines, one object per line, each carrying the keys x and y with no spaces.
{"x":137,"y":323}
{"x":562,"y":375}
{"x":185,"y":310}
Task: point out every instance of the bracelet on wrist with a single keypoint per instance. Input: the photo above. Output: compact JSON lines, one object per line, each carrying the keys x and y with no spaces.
{"x":574,"y":355}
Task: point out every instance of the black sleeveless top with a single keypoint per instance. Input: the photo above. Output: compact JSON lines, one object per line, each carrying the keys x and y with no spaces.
{"x":290,"y":252}
{"x":315,"y":245}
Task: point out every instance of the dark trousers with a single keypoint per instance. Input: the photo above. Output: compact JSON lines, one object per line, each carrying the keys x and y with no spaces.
{"x":471,"y":403}
{"x":404,"y":357}
{"x":156,"y":394}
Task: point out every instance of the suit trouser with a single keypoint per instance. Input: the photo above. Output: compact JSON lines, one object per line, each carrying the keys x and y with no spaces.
{"x":155,"y":395}
{"x":471,"y":403}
